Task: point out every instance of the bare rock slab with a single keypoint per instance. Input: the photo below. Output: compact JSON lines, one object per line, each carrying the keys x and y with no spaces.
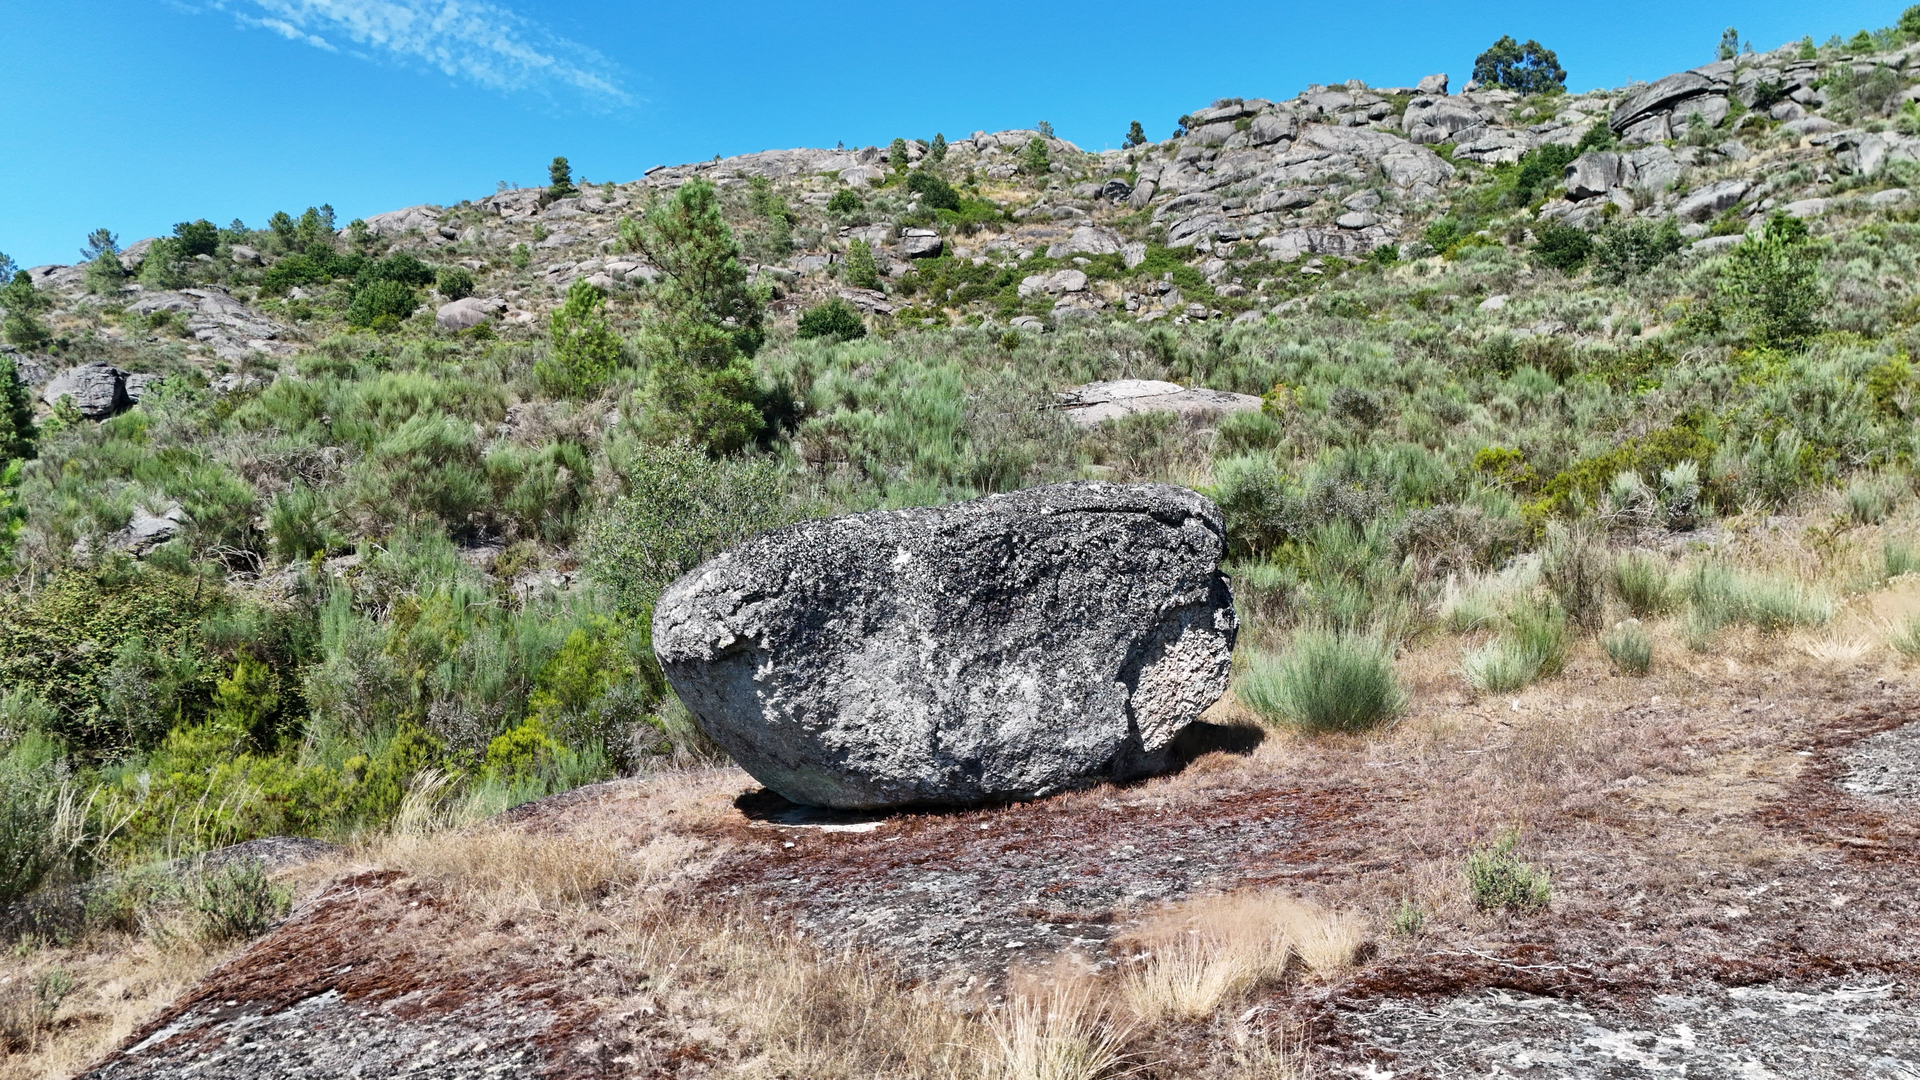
{"x":999,"y":649}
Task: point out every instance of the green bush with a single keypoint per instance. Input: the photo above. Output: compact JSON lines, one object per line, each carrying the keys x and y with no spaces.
{"x":455,"y":283}
{"x":1623,"y":250}
{"x":679,"y":509}
{"x":834,"y":319}
{"x":1898,"y":557}
{"x":1629,"y":647}
{"x":1498,"y":880}
{"x":935,"y":193}
{"x":1326,"y":682}
{"x":1868,"y":501}
{"x":381,"y":304}
{"x":1718,"y":595}
{"x":1561,"y":247}
{"x":31,"y":781}
{"x":236,"y":902}
{"x":845,"y":202}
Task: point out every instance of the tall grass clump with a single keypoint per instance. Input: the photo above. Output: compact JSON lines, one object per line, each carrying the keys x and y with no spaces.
{"x":1868,"y":501}
{"x":1629,"y":647}
{"x":1642,"y":582}
{"x":1532,"y":646}
{"x":1898,"y":557}
{"x":1328,"y":681}
{"x":1905,"y":638}
{"x":1718,"y":595}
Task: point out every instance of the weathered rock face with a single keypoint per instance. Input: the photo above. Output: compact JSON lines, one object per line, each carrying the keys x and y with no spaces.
{"x":999,"y":649}
{"x":97,"y":389}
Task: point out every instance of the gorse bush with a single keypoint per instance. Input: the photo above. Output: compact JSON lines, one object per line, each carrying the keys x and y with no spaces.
{"x":455,"y":283}
{"x":678,"y":509}
{"x":1325,"y":682}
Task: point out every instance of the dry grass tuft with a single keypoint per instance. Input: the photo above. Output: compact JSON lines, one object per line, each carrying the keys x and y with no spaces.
{"x":1065,"y":1033}
{"x":1209,"y":951}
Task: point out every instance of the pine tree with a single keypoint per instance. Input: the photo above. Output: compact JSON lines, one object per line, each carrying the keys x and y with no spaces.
{"x":1136,"y":135}
{"x":1525,"y":69}
{"x":22,"y":326}
{"x":708,"y":321}
{"x":16,"y":414}
{"x":860,"y":270}
{"x":1775,"y":278}
{"x":1729,"y":44}
{"x":584,"y":349}
{"x":937,"y":150}
{"x":1034,"y":161}
{"x":897,"y":154}
{"x":560,"y":179}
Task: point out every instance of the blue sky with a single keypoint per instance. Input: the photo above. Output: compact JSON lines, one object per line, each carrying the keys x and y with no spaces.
{"x":135,"y":114}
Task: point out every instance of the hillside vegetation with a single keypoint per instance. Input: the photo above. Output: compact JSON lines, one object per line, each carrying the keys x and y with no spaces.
{"x":344,"y":513}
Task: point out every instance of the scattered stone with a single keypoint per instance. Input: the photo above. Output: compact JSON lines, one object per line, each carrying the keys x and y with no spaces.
{"x":1005,"y":648}
{"x":920,"y":243}
{"x":470,"y":311}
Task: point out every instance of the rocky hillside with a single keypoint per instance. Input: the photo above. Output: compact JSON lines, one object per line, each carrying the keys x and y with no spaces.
{"x":1255,"y":195}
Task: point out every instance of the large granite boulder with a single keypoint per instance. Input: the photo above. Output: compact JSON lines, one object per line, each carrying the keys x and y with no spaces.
{"x":1004,"y":648}
{"x":98,"y":389}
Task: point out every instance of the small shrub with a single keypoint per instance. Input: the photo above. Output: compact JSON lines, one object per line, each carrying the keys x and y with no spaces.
{"x":1642,"y":581}
{"x":935,"y":193}
{"x":1497,"y":879}
{"x":845,"y":202}
{"x":1574,"y":567}
{"x":455,"y":283}
{"x":1562,"y":247}
{"x":1327,"y":682}
{"x":1719,"y":596}
{"x":1629,"y":647}
{"x":237,"y":902}
{"x":836,"y":319}
{"x":1627,"y":249}
{"x":1408,"y":920}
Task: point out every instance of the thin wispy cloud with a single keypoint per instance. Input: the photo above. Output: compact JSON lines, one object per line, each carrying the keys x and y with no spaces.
{"x":468,"y":39}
